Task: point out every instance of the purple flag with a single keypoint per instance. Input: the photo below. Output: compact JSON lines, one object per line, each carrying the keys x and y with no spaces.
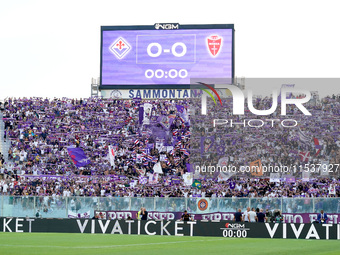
{"x":189,"y":168}
{"x":78,"y":156}
{"x":165,"y":121}
{"x":141,"y":115}
{"x":182,"y":114}
{"x":142,"y":179}
{"x":150,"y":146}
{"x":207,"y":143}
{"x":180,"y":108}
{"x":220,"y":150}
{"x":290,"y":179}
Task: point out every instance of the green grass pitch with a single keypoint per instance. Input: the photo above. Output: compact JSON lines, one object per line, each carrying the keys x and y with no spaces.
{"x":62,"y":244}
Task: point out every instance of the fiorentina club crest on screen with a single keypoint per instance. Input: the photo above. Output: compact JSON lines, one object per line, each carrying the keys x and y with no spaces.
{"x":120,"y":48}
{"x":214,"y":43}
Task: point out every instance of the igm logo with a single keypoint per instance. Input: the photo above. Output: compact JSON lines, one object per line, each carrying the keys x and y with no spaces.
{"x":239,"y":98}
{"x":167,"y":26}
{"x":234,"y":226}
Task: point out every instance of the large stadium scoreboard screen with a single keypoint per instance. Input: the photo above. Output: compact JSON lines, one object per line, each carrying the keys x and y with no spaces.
{"x":165,"y":55}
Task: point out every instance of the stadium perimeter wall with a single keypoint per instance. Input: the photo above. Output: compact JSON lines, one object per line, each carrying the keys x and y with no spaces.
{"x":177,"y":228}
{"x":66,"y":207}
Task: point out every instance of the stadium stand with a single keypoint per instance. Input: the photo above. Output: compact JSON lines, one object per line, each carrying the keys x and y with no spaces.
{"x":62,"y":147}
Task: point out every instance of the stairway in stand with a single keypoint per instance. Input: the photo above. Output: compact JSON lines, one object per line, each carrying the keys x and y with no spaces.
{"x":4,"y":145}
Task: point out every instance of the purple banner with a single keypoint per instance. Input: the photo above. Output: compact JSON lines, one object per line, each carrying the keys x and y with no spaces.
{"x":333,"y":218}
{"x":111,"y":177}
{"x":175,"y":180}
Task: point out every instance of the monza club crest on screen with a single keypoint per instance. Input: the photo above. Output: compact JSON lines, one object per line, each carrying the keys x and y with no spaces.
{"x":214,"y":43}
{"x":120,"y":48}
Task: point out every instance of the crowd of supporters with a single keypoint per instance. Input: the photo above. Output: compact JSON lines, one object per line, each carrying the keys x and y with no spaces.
{"x":315,"y":138}
{"x":41,"y":131}
{"x":123,"y":187}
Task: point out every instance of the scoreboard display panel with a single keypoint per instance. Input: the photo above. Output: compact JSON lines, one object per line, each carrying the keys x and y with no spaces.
{"x":165,"y":55}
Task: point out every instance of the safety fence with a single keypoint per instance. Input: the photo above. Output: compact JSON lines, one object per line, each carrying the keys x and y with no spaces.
{"x":66,"y":207}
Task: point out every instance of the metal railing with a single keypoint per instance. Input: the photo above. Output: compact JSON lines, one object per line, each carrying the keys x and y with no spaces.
{"x":62,"y":207}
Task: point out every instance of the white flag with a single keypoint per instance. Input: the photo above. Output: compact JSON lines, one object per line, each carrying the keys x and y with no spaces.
{"x":133,"y":183}
{"x":305,"y":176}
{"x":187,"y":178}
{"x":157,"y":168}
{"x":224,"y":175}
{"x":78,"y":215}
{"x":147,"y":113}
{"x":274,"y":177}
{"x":112,"y":155}
{"x":141,"y":171}
{"x":331,"y":189}
{"x":153,"y":178}
{"x":159,"y":146}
